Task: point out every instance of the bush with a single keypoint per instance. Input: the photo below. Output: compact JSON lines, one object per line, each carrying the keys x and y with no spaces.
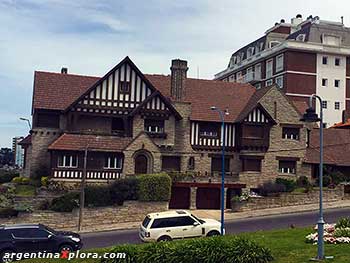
{"x":270,"y":188}
{"x":8,"y":212}
{"x":154,"y":187}
{"x":20,"y":180}
{"x":303,"y":181}
{"x":44,"y":181}
{"x":7,"y":177}
{"x":343,"y":223}
{"x":290,"y":185}
{"x":342,"y":232}
{"x":216,"y":249}
{"x":124,"y":189}
{"x":65,"y":203}
{"x":97,"y":196}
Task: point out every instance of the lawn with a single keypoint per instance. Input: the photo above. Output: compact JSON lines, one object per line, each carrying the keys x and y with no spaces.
{"x":287,"y":246}
{"x":25,"y":190}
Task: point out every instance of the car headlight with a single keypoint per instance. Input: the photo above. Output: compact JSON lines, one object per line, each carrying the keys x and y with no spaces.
{"x":75,"y":239}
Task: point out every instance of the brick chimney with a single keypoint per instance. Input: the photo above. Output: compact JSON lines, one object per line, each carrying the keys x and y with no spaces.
{"x":178,"y":79}
{"x":64,"y":70}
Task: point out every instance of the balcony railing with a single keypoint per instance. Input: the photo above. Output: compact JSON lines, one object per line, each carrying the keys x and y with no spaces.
{"x":62,"y":173}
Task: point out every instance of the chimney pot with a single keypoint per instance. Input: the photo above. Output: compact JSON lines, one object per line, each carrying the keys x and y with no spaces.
{"x":178,"y":79}
{"x":299,"y":16}
{"x":64,"y":70}
{"x":283,"y":21}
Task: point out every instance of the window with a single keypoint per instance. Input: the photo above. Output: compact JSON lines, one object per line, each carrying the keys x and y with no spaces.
{"x":258,"y":86}
{"x":154,"y":126}
{"x":37,"y":233}
{"x":331,"y":40}
{"x":337,"y":83}
{"x":231,"y":78}
{"x":250,"y":52}
{"x":239,"y":77}
{"x":257,"y":74}
{"x":324,"y":82}
{"x":290,"y":133}
{"x":191,"y":163}
{"x":268,"y":82}
{"x":68,"y":161}
{"x":337,"y":61}
{"x":274,"y":43}
{"x":287,"y":167}
{"x":301,"y":37}
{"x":216,"y":164}
{"x":117,"y":125}
{"x":113,"y":162}
{"x":269,"y":66}
{"x":171,"y":163}
{"x":324,"y":60}
{"x":279,"y":81}
{"x":211,"y":130}
{"x":279,"y":63}
{"x":124,"y":86}
{"x":324,"y":104}
{"x":173,"y":222}
{"x":337,"y":105}
{"x":253,"y":131}
{"x":249,"y":74}
{"x":251,"y":165}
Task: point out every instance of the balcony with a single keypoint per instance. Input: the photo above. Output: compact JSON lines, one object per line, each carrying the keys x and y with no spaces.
{"x":76,"y":174}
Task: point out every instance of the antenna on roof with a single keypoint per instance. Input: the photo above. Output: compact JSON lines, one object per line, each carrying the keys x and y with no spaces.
{"x":197,"y":72}
{"x":342,"y":20}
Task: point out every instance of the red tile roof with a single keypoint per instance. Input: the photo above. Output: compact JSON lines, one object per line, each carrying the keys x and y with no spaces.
{"x":342,"y":125}
{"x":55,"y":91}
{"x":78,"y":142}
{"x":27,"y":140}
{"x":336,"y":147}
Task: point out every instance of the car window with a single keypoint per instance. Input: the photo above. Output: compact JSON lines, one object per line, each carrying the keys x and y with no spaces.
{"x":38,"y":233}
{"x":185,"y":221}
{"x":4,"y":234}
{"x":165,"y":222}
{"x":146,"y":222}
{"x":20,"y":233}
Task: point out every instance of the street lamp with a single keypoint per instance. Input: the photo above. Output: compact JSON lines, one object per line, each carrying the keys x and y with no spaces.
{"x":311,"y":116}
{"x":28,"y":121}
{"x":222,"y":117}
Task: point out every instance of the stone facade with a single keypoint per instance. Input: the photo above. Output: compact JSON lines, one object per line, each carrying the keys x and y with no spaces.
{"x":93,"y":218}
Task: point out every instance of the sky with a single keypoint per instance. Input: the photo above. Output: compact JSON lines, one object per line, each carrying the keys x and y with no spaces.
{"x":91,"y":36}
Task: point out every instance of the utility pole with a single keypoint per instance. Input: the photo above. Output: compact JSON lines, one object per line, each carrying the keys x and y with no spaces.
{"x":82,"y":190}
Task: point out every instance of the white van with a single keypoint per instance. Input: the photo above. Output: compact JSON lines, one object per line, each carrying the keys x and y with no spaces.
{"x":166,"y":226}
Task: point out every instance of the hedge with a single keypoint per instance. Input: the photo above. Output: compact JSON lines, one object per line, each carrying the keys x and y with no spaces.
{"x":8,"y":212}
{"x":65,"y":203}
{"x":124,"y":189}
{"x":6,"y":177}
{"x":228,"y":249}
{"x":98,"y":196}
{"x":290,"y":184}
{"x":154,"y":187}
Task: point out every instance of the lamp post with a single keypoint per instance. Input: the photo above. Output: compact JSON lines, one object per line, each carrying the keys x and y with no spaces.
{"x":222,"y":117}
{"x":311,"y":116}
{"x":28,"y":121}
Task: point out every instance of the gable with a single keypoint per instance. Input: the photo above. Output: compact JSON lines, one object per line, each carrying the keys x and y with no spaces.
{"x":121,"y":90}
{"x":257,"y":115}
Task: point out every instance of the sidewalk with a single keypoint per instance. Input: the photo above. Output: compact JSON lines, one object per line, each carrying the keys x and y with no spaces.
{"x":231,"y":216}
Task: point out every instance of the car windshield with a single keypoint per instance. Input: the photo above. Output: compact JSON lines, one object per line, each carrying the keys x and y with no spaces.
{"x":146,"y":222}
{"x":49,"y":229}
{"x":198,"y":219}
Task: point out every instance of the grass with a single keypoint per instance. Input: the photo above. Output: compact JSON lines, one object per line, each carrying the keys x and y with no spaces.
{"x":25,"y":190}
{"x":287,"y":246}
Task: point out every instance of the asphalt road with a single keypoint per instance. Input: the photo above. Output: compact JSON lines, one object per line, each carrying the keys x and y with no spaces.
{"x":106,"y":239}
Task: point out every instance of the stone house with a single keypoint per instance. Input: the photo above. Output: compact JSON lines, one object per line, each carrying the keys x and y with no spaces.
{"x":133,"y":123}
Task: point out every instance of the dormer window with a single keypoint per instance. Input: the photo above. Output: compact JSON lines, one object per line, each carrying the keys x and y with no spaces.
{"x":300,"y":37}
{"x":154,"y":126}
{"x":124,"y":86}
{"x":209,"y":130}
{"x":274,"y":43}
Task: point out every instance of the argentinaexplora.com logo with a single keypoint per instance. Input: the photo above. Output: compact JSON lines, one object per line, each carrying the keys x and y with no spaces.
{"x":9,"y":257}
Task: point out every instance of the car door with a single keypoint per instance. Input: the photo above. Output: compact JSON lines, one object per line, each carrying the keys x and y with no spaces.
{"x":41,"y":239}
{"x":190,"y":227}
{"x":166,"y":227}
{"x":22,"y":240}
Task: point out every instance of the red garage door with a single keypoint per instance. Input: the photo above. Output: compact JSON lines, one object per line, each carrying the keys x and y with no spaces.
{"x":208,"y":198}
{"x":180,"y":198}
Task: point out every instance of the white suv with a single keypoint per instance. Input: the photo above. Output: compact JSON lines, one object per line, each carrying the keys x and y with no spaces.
{"x":166,"y":226}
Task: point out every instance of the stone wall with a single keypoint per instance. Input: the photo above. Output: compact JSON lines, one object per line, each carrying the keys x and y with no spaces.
{"x":291,"y":199}
{"x":93,"y":218}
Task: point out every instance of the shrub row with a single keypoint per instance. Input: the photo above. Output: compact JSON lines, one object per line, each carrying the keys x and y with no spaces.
{"x":216,"y":249}
{"x":152,"y":187}
{"x":7,"y":212}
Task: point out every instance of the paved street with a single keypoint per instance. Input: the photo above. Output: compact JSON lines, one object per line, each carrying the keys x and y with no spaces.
{"x":105,"y":239}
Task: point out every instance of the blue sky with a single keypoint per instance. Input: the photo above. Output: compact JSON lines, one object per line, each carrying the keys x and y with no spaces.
{"x":89,"y":37}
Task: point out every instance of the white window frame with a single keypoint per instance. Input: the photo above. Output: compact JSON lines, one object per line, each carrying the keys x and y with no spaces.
{"x":117,"y":161}
{"x":257,"y":71}
{"x":268,"y":82}
{"x":249,"y":74}
{"x":326,"y":82}
{"x":279,"y":78}
{"x":269,"y":68}
{"x":337,"y":105}
{"x":65,"y":159}
{"x":326,"y":60}
{"x":285,"y":170}
{"x":274,"y":43}
{"x":324,"y":104}
{"x":279,"y":62}
{"x":239,"y":77}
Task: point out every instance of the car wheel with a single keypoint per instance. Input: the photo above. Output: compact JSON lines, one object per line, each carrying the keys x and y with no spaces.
{"x":2,"y":256}
{"x":213,"y":233}
{"x":66,"y":247}
{"x":164,"y":239}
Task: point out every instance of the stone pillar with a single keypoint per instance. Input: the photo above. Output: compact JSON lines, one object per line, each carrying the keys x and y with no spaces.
{"x":193,"y":198}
